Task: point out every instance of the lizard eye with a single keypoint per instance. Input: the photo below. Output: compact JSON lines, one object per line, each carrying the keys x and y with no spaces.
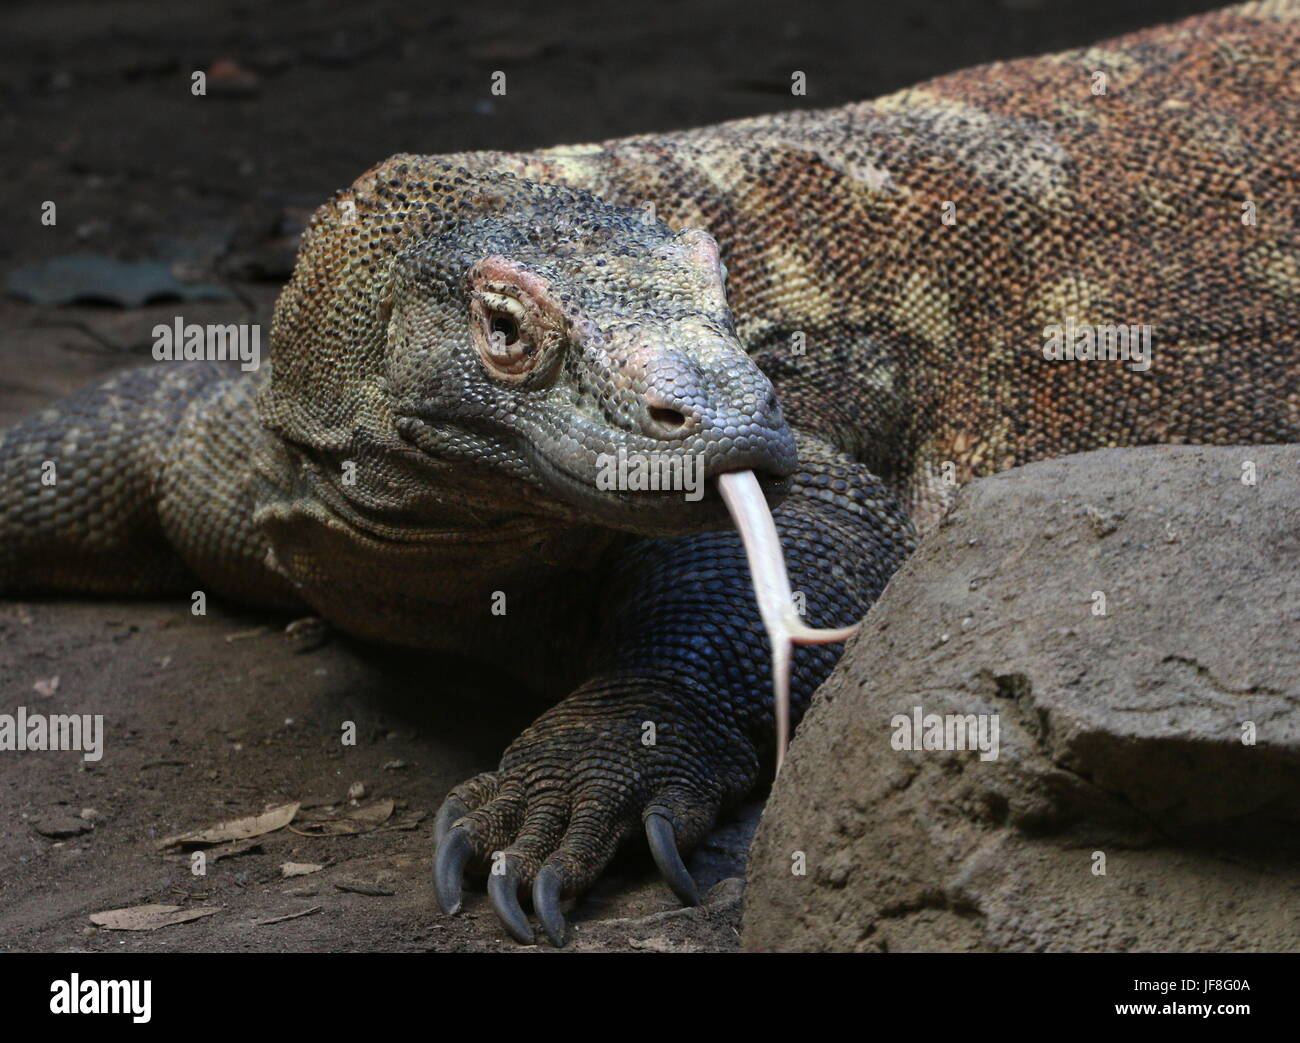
{"x":504,"y":344}
{"x":503,"y":328}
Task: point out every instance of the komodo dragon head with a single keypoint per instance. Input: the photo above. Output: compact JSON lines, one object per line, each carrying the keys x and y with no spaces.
{"x":523,"y":334}
{"x":481,"y":344}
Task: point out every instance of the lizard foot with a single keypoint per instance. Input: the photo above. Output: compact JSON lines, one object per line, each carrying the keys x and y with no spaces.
{"x":600,"y":768}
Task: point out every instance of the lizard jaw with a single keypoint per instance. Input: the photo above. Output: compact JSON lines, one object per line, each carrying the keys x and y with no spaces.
{"x":745,"y":501}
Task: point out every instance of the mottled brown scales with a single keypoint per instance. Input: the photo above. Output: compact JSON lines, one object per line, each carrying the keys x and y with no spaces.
{"x":1117,"y":208}
{"x":893,"y":270}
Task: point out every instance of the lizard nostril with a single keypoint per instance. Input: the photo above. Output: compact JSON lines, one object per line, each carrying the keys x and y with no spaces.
{"x":670,"y":418}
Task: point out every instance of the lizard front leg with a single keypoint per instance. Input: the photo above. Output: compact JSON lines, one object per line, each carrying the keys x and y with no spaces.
{"x":677,"y":723}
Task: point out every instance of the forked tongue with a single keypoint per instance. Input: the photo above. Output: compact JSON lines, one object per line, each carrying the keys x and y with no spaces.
{"x":748,"y":506}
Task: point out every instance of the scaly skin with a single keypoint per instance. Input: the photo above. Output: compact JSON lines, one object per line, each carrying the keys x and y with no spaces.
{"x":473,"y":460}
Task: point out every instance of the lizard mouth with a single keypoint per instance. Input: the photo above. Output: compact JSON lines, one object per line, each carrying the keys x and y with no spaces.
{"x":648,"y":503}
{"x":659,"y":512}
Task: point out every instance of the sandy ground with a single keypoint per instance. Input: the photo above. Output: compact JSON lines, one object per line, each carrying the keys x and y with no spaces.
{"x":215,"y":718}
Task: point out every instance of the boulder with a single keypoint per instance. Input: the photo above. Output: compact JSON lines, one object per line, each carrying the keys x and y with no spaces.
{"x":1126,"y":625}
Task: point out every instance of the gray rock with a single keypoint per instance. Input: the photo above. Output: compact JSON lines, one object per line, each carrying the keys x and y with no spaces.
{"x":88,"y":277}
{"x":1120,"y":736}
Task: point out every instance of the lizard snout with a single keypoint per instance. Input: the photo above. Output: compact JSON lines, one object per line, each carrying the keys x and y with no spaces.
{"x":668,"y":416}
{"x":673,"y":401}
{"x":729,"y":415}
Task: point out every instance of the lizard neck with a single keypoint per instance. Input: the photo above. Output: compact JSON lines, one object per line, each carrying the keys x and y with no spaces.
{"x":425,"y":570}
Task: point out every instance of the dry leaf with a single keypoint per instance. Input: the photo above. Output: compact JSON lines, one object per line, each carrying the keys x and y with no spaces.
{"x":230,"y":850}
{"x":360,"y":820}
{"x":215,"y":854}
{"x":149,"y":917}
{"x":236,"y":829}
{"x":289,"y":869}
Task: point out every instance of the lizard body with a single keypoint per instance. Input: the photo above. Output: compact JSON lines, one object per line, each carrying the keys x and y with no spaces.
{"x":851,"y":304}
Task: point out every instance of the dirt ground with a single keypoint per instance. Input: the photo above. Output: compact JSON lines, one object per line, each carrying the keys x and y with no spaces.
{"x":215,"y":718}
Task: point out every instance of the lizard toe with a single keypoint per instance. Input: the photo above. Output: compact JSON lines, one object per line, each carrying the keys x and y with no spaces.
{"x":662,"y":838}
{"x":548,"y":890}
{"x":452,"y":811}
{"x":582,"y":855}
{"x":516,"y":866}
{"x":503,"y":890}
{"x":464,"y":799}
{"x":454,"y":851}
{"x":472,"y":838}
{"x":676,"y":820}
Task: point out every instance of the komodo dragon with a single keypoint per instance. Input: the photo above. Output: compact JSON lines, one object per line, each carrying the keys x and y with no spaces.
{"x":468,"y":339}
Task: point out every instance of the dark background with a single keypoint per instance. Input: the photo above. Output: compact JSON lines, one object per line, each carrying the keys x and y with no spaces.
{"x":98,"y":113}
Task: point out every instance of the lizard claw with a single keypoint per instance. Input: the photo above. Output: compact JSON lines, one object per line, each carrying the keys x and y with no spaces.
{"x":503,"y":889}
{"x":663,"y":848}
{"x":547,"y":889}
{"x":551,"y":818}
{"x":454,"y":851}
{"x":453,"y":809}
